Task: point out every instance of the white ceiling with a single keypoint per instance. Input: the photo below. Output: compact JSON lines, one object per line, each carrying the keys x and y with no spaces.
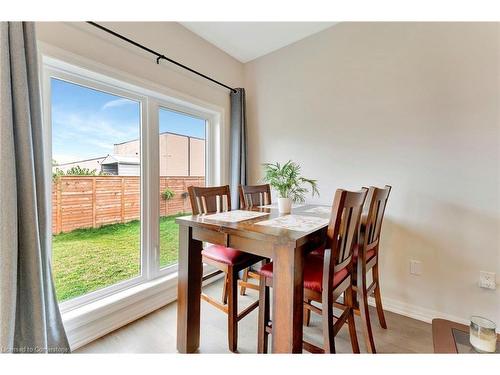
{"x":246,"y":41}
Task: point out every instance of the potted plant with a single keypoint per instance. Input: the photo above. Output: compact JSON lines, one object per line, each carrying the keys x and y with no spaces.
{"x":167,"y":194}
{"x":289,"y":184}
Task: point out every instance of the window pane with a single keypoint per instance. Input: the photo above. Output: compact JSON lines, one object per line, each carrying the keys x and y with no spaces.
{"x":95,"y":189}
{"x":182,"y":164}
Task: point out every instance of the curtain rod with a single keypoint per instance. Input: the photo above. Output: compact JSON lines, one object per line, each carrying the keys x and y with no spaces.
{"x":158,"y":55}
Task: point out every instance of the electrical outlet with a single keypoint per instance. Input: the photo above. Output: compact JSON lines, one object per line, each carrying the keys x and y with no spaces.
{"x":487,"y":280}
{"x":415,"y":267}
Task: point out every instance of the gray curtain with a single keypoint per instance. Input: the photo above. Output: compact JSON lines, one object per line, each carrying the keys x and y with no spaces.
{"x":238,"y":145}
{"x":30,"y":320}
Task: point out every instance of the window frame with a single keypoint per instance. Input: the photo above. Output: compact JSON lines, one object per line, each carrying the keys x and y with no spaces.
{"x":151,"y":100}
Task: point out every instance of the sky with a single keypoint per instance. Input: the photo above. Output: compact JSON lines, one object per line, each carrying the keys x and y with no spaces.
{"x":86,"y":122}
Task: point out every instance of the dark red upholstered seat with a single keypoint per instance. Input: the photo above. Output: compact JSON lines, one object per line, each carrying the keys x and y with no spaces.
{"x":320,"y":251}
{"x":313,"y":273}
{"x":227,"y":255}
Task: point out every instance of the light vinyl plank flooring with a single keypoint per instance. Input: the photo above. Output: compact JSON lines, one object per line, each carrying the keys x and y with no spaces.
{"x":156,"y":332}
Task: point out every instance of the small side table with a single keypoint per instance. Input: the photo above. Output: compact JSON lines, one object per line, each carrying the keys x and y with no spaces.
{"x":452,"y":337}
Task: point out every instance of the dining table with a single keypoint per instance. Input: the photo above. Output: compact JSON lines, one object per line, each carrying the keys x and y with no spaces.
{"x":259,"y":230}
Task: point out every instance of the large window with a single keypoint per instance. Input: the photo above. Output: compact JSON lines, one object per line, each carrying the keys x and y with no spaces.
{"x":122,"y":159}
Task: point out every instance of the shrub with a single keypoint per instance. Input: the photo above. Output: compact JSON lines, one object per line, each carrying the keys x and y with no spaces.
{"x":167,"y":194}
{"x":77,"y":171}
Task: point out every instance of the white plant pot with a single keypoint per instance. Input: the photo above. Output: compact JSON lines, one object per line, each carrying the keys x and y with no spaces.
{"x":284,"y":205}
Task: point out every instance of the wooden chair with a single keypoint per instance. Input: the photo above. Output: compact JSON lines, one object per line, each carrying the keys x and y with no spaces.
{"x":371,"y":224}
{"x":326,"y":277}
{"x":370,"y":229}
{"x":251,"y":196}
{"x":206,"y":200}
{"x":255,"y":195}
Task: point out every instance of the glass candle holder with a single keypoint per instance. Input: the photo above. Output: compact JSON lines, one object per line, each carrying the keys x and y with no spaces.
{"x":482,"y":334}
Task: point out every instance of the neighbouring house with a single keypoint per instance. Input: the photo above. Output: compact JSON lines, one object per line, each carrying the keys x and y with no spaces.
{"x":121,"y":165}
{"x":94,"y":163}
{"x":180,"y":155}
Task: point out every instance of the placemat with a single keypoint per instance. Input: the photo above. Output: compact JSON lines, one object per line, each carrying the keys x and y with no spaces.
{"x":234,"y":216}
{"x":322,"y":210}
{"x":275,"y":205}
{"x":296,"y":222}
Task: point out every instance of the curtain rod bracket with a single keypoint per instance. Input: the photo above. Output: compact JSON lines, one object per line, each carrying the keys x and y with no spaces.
{"x":160,"y":58}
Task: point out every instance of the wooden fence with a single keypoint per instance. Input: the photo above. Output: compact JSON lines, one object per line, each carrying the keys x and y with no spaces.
{"x":93,"y":201}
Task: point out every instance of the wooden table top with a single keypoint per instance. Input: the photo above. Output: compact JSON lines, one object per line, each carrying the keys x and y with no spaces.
{"x":443,"y":338}
{"x":250,"y":229}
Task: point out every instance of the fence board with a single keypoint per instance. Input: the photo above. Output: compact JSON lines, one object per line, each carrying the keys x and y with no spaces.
{"x":93,"y":201}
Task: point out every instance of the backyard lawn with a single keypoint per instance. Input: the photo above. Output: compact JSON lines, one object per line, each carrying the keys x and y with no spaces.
{"x":85,"y":260}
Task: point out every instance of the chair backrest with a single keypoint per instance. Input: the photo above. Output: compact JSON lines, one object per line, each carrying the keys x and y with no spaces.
{"x":206,"y":200}
{"x":254,"y":195}
{"x":343,"y":231}
{"x":372,"y":217}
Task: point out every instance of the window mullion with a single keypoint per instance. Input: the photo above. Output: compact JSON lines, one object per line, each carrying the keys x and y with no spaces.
{"x":152,"y":186}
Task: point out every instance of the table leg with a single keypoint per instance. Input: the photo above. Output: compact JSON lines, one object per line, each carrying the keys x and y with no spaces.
{"x":189,"y":290}
{"x":288,"y":294}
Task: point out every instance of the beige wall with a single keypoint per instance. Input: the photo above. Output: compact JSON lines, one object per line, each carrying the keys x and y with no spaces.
{"x":407,"y":104}
{"x":197,"y":157}
{"x":130,"y":148}
{"x":174,"y":150}
{"x":169,"y":37}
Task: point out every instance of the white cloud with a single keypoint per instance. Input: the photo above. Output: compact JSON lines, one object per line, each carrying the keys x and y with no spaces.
{"x":91,"y":125}
{"x":84,"y":134}
{"x":117,"y":103}
{"x":100,"y":144}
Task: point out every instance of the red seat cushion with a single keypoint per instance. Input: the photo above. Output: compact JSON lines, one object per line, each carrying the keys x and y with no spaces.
{"x":321,"y":250}
{"x":313,"y":273}
{"x":227,"y":255}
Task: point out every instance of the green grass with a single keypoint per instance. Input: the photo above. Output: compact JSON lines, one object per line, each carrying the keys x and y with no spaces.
{"x":85,"y":260}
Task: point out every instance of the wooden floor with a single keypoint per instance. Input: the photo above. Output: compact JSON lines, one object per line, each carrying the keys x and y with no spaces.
{"x":156,"y":332}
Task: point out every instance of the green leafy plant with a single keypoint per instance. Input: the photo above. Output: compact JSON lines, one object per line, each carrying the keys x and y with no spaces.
{"x":76,"y":171}
{"x":79,"y":171}
{"x":286,"y":179}
{"x":56,"y":174}
{"x":167,"y":194}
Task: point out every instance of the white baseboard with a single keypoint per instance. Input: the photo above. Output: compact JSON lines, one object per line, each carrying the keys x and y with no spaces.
{"x":415,"y":312}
